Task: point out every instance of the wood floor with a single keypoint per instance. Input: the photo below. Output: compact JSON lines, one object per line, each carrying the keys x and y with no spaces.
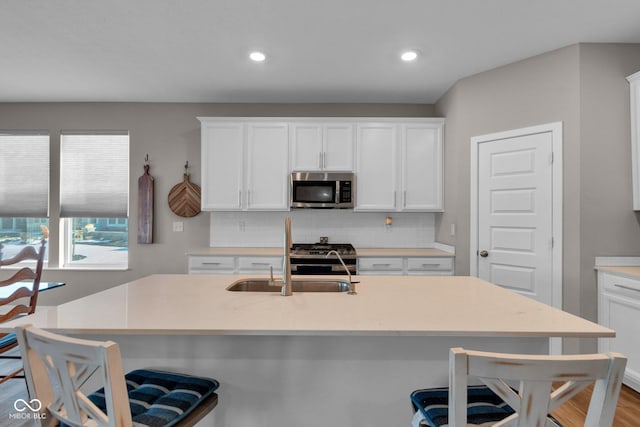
{"x":571,"y":414}
{"x":10,"y":391}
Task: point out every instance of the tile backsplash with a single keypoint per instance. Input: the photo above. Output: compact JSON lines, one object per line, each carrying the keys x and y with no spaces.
{"x":362,"y":229}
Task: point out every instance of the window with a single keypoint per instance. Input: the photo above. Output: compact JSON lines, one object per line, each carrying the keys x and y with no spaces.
{"x":94,"y":198}
{"x":24,"y":189}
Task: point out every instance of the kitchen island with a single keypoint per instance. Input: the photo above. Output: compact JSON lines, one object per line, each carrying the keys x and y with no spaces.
{"x":312,"y":359}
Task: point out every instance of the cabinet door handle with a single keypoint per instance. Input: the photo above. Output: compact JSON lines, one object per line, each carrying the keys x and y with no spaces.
{"x":320,"y":159}
{"x":324,"y":160}
{"x":239,"y":198}
{"x":248,"y":198}
{"x":382,"y":265}
{"x":395,"y":198}
{"x":211,"y":263}
{"x":404,"y":199}
{"x":629,"y":288}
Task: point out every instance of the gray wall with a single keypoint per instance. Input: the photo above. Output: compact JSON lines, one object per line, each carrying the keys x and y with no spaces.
{"x":582,"y":86}
{"x":170,"y":134}
{"x":608,"y":224}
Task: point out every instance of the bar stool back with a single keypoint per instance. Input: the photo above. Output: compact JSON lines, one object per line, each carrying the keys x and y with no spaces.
{"x":57,"y":367}
{"x":498,"y":403}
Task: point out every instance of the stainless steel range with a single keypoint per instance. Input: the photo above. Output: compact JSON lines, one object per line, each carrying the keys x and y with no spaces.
{"x":311,"y":258}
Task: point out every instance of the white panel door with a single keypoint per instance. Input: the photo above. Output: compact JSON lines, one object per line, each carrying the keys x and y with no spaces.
{"x":515,"y":214}
{"x":222,"y":166}
{"x":337,"y":154}
{"x":306,"y":146}
{"x":267,"y":166}
{"x":421,"y":168}
{"x":376,"y":170}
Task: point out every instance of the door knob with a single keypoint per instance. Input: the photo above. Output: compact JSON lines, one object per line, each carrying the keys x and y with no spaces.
{"x":484,"y":254}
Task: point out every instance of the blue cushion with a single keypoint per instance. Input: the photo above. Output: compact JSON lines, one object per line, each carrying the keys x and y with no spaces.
{"x":8,"y":340}
{"x":160,"y":398}
{"x":483,"y":406}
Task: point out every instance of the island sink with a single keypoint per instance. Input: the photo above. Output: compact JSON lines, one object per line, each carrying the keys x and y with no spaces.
{"x":300,"y":285}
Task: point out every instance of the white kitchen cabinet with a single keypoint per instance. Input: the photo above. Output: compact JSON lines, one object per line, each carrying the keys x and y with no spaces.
{"x":203,"y":264}
{"x":398,"y":162}
{"x":234,"y":264}
{"x":267,"y":166}
{"x":429,"y":266}
{"x":421,"y":167}
{"x":259,"y":265}
{"x":376,"y":167}
{"x":404,"y":266}
{"x":222,"y":148}
{"x":392,"y":266}
{"x":619,"y":309}
{"x":245,"y":165}
{"x":634,"y":86}
{"x":322,"y":146}
{"x":399,"y":166}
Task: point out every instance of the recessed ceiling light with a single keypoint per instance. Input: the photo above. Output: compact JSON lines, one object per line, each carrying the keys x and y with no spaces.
{"x":257,"y":56}
{"x":409,"y":55}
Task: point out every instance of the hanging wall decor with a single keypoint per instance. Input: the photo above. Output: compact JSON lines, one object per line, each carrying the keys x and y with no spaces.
{"x":184,"y":198}
{"x":145,"y":205}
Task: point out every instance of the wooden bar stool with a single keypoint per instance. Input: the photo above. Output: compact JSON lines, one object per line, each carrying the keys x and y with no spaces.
{"x":56,"y":367}
{"x":19,"y":292}
{"x":497,"y":403}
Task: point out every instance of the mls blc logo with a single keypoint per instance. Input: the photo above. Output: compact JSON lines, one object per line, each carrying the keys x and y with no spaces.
{"x":27,"y":410}
{"x":22,"y":405}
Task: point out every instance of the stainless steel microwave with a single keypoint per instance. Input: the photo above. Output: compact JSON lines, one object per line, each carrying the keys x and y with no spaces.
{"x":322,"y":190}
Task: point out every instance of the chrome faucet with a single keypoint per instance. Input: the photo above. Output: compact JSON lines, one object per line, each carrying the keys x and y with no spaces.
{"x":352,"y":285}
{"x":286,"y":263}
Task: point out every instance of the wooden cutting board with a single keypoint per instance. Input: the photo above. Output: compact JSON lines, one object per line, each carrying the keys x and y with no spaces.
{"x":145,"y":207}
{"x":184,"y":198}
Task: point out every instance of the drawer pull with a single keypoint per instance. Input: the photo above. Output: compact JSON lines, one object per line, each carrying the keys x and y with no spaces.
{"x":431,"y":265}
{"x":629,"y":288}
{"x":211,"y":263}
{"x":381,"y":264}
{"x":260,"y":263}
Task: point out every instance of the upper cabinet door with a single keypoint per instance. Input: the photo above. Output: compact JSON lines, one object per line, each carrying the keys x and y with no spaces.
{"x":267,"y":166}
{"x":421,"y":166}
{"x":322,"y":146}
{"x":337,"y":153}
{"x":306,"y":147}
{"x":376,"y":166}
{"x":222,"y":165}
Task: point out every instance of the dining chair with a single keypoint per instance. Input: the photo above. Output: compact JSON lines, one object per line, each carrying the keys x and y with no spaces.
{"x":57,"y":367}
{"x":21,"y":300}
{"x":519,"y":390}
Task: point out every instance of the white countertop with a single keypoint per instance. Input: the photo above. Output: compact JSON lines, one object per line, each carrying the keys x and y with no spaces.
{"x":237,"y":251}
{"x":403,"y":252}
{"x":363,"y":252}
{"x":385,"y":306}
{"x":632,"y":272}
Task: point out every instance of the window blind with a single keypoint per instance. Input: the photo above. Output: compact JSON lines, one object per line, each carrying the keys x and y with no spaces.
{"x":94,"y":174}
{"x":24,"y":174}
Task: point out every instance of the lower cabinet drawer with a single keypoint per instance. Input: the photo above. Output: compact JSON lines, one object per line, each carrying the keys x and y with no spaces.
{"x":261,"y":264}
{"x":429,"y":264}
{"x":380,"y":264}
{"x":204,"y":264}
{"x":619,"y":284}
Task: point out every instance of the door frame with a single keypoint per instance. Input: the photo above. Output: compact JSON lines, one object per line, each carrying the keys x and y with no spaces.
{"x":556,"y":199}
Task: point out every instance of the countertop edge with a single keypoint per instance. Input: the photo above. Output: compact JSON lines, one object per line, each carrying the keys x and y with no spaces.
{"x":362,"y":252}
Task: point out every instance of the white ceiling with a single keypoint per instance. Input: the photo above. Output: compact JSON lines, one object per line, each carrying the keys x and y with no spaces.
{"x":318,"y":51}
